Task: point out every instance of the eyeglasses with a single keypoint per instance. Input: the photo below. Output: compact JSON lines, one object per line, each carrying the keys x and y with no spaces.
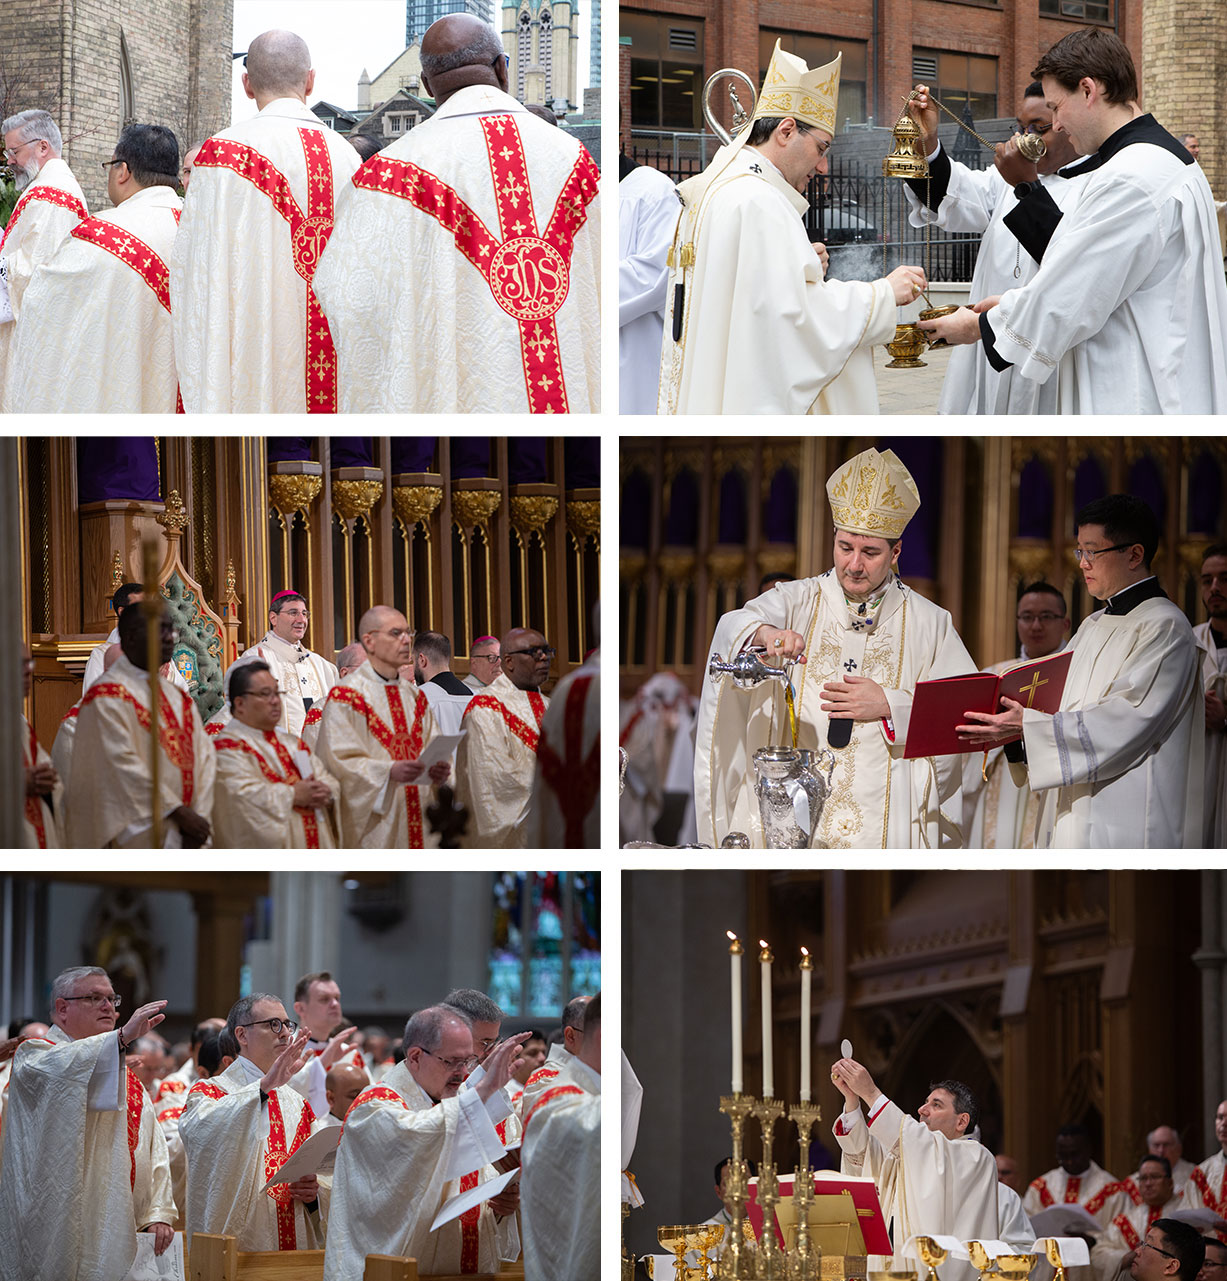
{"x":106,"y":164}
{"x":1166,"y":1253}
{"x":537,"y":651}
{"x":10,"y":153}
{"x":1041,"y":130}
{"x":274,"y":1025}
{"x":453,"y":1064}
{"x":487,"y":658}
{"x":1082,"y":554}
{"x":1028,"y":619}
{"x":487,"y":1043}
{"x":98,"y":999}
{"x":255,"y":693}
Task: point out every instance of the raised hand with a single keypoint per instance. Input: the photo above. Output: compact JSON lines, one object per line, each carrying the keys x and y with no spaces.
{"x":148,"y":1016}
{"x":336,"y":1048}
{"x":289,"y":1061}
{"x":500,"y":1065}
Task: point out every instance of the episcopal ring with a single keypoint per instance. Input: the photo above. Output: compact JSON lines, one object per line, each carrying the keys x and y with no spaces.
{"x":779,"y":642}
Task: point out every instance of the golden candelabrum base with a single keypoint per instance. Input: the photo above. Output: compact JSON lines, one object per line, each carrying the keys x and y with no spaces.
{"x":806,"y":1262}
{"x":906,"y":346}
{"x":738,"y":1262}
{"x":627,"y":1259}
{"x":934,"y":313}
{"x":772,"y":1265}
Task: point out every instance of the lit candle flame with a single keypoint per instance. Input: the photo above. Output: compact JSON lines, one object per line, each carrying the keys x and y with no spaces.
{"x":731,"y":935}
{"x":762,"y":942}
{"x":805,"y":951}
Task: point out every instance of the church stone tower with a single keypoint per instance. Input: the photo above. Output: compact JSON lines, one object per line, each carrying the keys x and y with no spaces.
{"x":542,"y":40}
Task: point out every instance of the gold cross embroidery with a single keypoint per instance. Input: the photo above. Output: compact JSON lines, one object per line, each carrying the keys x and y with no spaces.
{"x":1030,"y":690}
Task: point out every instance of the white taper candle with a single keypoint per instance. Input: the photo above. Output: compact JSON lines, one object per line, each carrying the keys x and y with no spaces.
{"x":766,"y":958}
{"x":735,"y":952}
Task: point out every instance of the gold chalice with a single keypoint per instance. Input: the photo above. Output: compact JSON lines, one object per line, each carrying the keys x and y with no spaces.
{"x":1016,"y":1267}
{"x":675,"y":1237}
{"x":704,"y":1238}
{"x":1053,"y":1251}
{"x":979,"y":1258}
{"x":931,"y":1255}
{"x":906,"y":346}
{"x":933,"y":313}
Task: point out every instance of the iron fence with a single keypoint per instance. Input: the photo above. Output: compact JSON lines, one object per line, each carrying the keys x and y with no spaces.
{"x":861,"y":216}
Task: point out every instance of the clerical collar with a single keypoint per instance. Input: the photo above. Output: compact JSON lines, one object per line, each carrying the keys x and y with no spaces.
{"x":1132,"y":597}
{"x":1141,"y":129}
{"x":297,"y":653}
{"x":1220,"y":638}
{"x":387,"y":680}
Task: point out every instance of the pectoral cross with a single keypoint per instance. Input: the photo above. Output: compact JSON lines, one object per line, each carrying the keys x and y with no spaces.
{"x":1029,"y":690}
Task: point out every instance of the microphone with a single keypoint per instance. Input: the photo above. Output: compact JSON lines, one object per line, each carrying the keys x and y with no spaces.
{"x":839,"y":733}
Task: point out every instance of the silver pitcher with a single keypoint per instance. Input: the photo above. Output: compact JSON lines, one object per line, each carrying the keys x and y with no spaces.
{"x":748,"y":670}
{"x":791,"y":791}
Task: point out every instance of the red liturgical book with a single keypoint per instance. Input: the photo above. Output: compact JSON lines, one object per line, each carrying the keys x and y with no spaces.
{"x":938,"y":706}
{"x":830,"y":1183}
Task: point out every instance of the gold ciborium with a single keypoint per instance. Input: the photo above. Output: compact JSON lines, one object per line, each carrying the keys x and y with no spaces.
{"x":905,"y":347}
{"x":1016,"y":1267}
{"x":933,"y":313}
{"x":931,"y":1255}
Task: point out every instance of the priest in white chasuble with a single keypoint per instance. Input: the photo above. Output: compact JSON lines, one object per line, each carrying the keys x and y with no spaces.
{"x":556,"y":1068}
{"x":239,"y":1127}
{"x":497,"y":758}
{"x":1076,"y":1179}
{"x":413,"y":1142}
{"x":271,"y":793}
{"x":1212,"y":637}
{"x":564,"y":810}
{"x":98,"y":313}
{"x":374,"y":728}
{"x":931,"y":1174}
{"x":1119,"y":766}
{"x":752,"y":324}
{"x":50,"y":203}
{"x":494,"y":215}
{"x":867,"y":639}
{"x":85,"y":1165}
{"x":561,"y":1156}
{"x":249,"y":333}
{"x":1128,"y":311}
{"x":109,"y":801}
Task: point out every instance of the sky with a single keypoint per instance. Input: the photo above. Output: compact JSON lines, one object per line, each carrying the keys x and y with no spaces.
{"x":343,"y":39}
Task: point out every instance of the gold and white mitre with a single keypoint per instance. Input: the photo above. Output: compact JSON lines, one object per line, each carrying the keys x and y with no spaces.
{"x":873,"y":494}
{"x":790,"y":88}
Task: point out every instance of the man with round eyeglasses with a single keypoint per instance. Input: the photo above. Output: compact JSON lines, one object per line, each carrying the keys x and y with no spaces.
{"x":484,"y":663}
{"x":1128,"y":1237}
{"x":1119,"y":765}
{"x":415,"y":1140}
{"x":497,"y":757}
{"x":241,"y":1125}
{"x":85,"y":1165}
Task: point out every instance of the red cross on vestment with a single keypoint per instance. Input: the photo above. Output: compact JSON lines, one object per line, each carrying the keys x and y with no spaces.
{"x":174,"y":736}
{"x":290,"y":776}
{"x":527,"y":272}
{"x":309,"y":235}
{"x":276,"y":1154}
{"x":52,"y":195}
{"x":528,"y":735}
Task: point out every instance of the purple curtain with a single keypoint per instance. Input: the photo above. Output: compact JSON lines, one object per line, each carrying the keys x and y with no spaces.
{"x":471,"y":457}
{"x":289,"y":449}
{"x":1089,"y":483}
{"x":1205,"y":494}
{"x":118,"y":467}
{"x":1035,"y":500}
{"x":780,"y":509}
{"x":526,"y":460}
{"x":635,"y":511}
{"x":731,"y":526}
{"x":582,"y":460}
{"x":351,"y":451}
{"x":414,"y":453}
{"x":682,"y":523}
{"x":1146,"y":483}
{"x":922,"y":456}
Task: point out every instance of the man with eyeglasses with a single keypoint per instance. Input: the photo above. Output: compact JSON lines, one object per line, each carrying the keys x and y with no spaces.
{"x":566,"y":1042}
{"x":272,"y":792}
{"x":497,"y":757}
{"x":240,"y":1126}
{"x":1126,"y":1243}
{"x":1215,"y":1266}
{"x":991,"y":202}
{"x":412,"y":1142}
{"x":374,"y":728}
{"x":109,"y":799}
{"x":98,"y":311}
{"x":85,"y":1165}
{"x":998,"y":814}
{"x":484,"y":665}
{"x":1119,"y":766}
{"x":493,"y":216}
{"x":50,"y":205}
{"x":753,"y":324}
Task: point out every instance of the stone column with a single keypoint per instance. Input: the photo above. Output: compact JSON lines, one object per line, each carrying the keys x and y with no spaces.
{"x":306,"y":928}
{"x":1211,"y":959}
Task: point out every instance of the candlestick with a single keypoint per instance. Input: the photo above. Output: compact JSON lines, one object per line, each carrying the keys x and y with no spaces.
{"x":765,"y":958}
{"x":735,"y":952}
{"x":807,"y":976}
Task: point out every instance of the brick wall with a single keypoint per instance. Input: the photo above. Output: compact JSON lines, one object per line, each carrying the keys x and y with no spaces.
{"x":178,"y":52}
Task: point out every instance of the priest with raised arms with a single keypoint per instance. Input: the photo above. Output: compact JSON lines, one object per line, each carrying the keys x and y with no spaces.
{"x":862,"y":640}
{"x":414,"y":1141}
{"x":932,"y":1174}
{"x":752,"y":324}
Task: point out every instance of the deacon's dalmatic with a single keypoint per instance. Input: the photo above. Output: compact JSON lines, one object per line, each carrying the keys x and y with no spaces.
{"x":894,"y":637}
{"x":751,"y":324}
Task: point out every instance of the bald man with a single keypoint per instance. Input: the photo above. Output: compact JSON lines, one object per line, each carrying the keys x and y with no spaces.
{"x":249,"y":334}
{"x":497,"y":758}
{"x":519,"y":268}
{"x":374,"y":728}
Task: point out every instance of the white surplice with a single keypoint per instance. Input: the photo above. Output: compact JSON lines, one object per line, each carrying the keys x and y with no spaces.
{"x":648,"y":209}
{"x":109,"y":801}
{"x":1095,"y":1190}
{"x":84,"y":1170}
{"x":301,"y":675}
{"x":238,"y":288}
{"x":876,"y":799}
{"x":401,"y":1156}
{"x":1214,"y":679}
{"x":368,"y":724}
{"x":977,"y":200}
{"x":253,"y":798}
{"x":927,"y":1183}
{"x":762,"y":332}
{"x":42,"y":821}
{"x":472,"y":355}
{"x":1119,"y":766}
{"x":1207,"y":1184}
{"x":48,"y":209}
{"x":234,"y":1142}
{"x":564,"y":810}
{"x":97,"y":321}
{"x":496,"y":762}
{"x":1129,"y":307}
{"x":560,"y":1185}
